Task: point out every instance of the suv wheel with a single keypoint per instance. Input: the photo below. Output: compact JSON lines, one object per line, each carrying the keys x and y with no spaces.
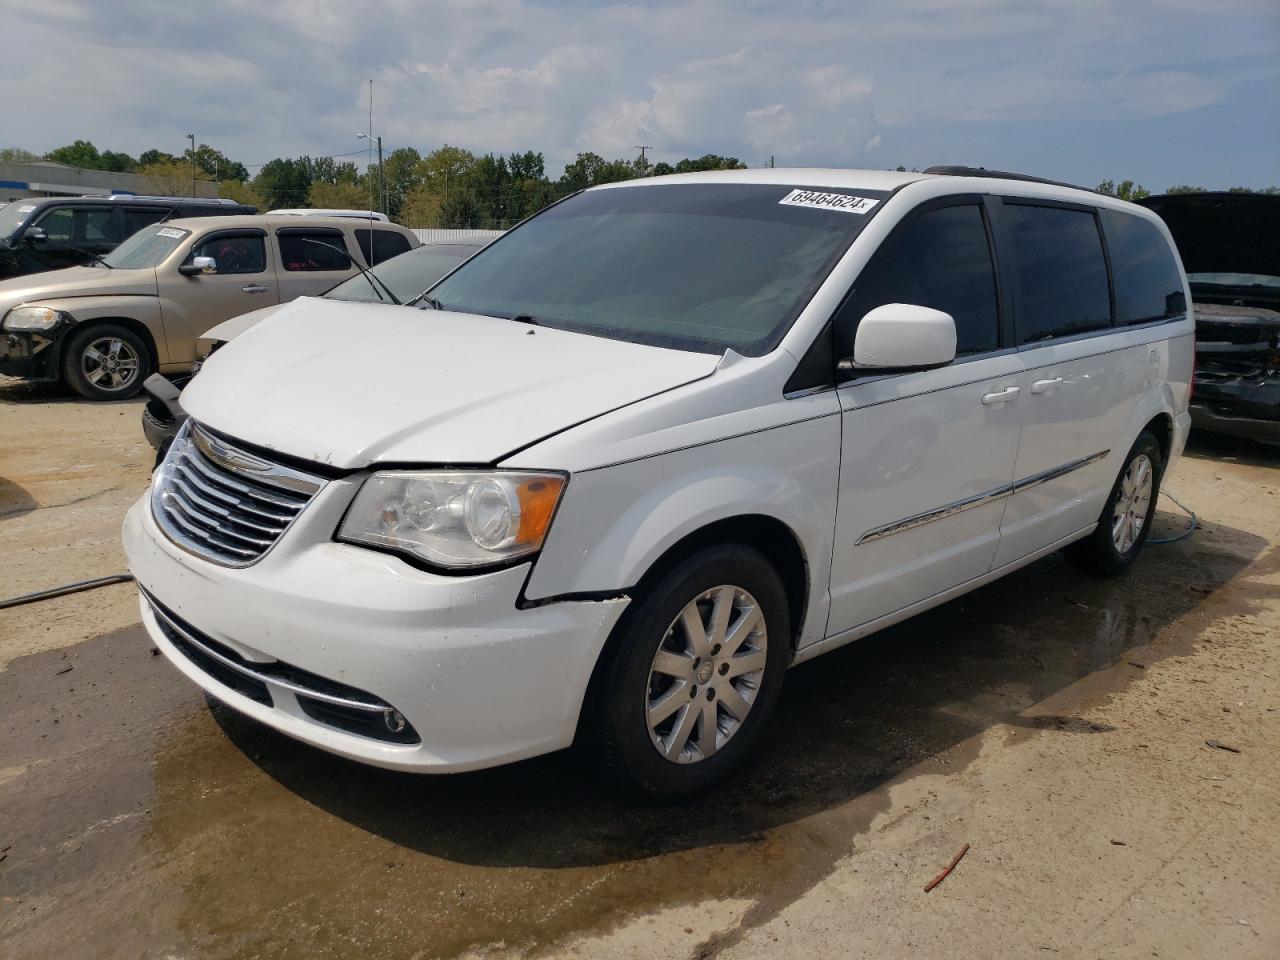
{"x":1126,"y":518}
{"x":106,"y":362}
{"x":694,"y":673}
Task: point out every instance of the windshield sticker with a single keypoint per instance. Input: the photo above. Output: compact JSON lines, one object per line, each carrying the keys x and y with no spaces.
{"x":827,"y":201}
{"x":173,"y":233}
{"x":26,"y":208}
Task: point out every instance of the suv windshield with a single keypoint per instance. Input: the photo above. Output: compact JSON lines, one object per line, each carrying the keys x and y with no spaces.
{"x":146,"y":248}
{"x":14,"y":215}
{"x":699,"y":267}
{"x":406,"y":275}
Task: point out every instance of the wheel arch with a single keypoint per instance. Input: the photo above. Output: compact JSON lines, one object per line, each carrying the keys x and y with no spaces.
{"x":129,"y":323}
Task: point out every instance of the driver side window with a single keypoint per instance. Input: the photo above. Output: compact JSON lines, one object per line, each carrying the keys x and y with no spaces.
{"x":234,"y":254}
{"x":941,"y":259}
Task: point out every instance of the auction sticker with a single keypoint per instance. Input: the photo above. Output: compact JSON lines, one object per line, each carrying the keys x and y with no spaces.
{"x":827,"y":201}
{"x":173,"y":233}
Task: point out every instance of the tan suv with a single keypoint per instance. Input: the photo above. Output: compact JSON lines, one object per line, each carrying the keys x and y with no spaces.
{"x":104,"y":329}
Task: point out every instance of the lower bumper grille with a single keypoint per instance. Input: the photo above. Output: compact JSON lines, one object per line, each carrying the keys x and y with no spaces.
{"x":326,"y":701}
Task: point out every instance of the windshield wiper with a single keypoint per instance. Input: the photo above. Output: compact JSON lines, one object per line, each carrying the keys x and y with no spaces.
{"x":431,"y":302}
{"x":374,"y":282}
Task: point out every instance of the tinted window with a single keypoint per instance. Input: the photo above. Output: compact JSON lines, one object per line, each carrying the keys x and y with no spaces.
{"x":78,"y":225}
{"x":406,"y":276}
{"x":939,"y":259}
{"x":234,"y":254}
{"x":313,"y":250}
{"x":695,"y":266}
{"x":135,"y":218}
{"x":386,"y":244}
{"x":1061,"y":273}
{"x":1148,"y":286}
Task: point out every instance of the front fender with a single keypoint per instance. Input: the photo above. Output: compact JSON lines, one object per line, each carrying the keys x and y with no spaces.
{"x":617,"y":521}
{"x":141,"y":309}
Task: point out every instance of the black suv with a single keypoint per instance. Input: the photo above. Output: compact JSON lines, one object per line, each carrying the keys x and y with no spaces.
{"x":1228,"y":246}
{"x":47,"y":233}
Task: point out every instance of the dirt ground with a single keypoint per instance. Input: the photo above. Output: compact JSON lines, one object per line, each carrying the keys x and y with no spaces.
{"x":1054,"y":723}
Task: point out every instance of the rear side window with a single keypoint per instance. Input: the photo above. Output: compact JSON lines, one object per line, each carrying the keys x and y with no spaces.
{"x":234,"y":253}
{"x":941,"y":259}
{"x":135,"y":218}
{"x":385,"y":245}
{"x":1148,"y":285}
{"x":313,"y":250}
{"x":1061,"y":272}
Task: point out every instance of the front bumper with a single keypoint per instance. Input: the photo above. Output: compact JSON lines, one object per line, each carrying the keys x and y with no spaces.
{"x":1204,"y":417}
{"x":479,"y":680}
{"x":33,"y":356}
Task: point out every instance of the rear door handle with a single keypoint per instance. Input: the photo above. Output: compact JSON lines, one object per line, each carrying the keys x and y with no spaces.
{"x":1046,"y":386}
{"x":255,"y":288}
{"x":1000,"y":396}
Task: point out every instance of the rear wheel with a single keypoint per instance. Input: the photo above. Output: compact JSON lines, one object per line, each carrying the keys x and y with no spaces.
{"x":694,"y":674}
{"x":106,"y":361}
{"x":1126,"y":518}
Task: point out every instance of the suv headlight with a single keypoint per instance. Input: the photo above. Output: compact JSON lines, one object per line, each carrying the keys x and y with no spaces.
{"x":455,"y":519}
{"x":32,"y":319}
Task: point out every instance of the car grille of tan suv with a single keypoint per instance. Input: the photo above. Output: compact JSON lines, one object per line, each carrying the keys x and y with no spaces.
{"x":223,"y":503}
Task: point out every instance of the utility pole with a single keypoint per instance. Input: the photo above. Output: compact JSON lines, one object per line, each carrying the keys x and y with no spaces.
{"x":642,"y":164}
{"x":192,"y":138}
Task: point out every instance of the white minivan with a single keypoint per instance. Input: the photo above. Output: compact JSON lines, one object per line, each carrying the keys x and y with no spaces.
{"x":611,"y":477}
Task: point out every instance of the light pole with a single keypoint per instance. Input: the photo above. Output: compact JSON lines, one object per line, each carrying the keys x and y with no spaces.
{"x":382,"y":174}
{"x":192,"y":138}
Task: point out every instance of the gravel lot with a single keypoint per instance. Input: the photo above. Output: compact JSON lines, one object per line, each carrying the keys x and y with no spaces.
{"x":1056,"y":724}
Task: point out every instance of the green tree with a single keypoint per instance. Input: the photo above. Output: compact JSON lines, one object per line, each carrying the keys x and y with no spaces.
{"x":340,"y":196}
{"x":710,"y":161}
{"x":1127,"y":190}
{"x":284,"y":183}
{"x":116,"y":162}
{"x":241,"y":192}
{"x":215,"y":164}
{"x":148,"y":157}
{"x":662,"y":169}
{"x":171,"y":179}
{"x":17,"y":155}
{"x":1184,"y":188}
{"x":590,"y":169}
{"x":400,"y":175}
{"x":82,"y":154}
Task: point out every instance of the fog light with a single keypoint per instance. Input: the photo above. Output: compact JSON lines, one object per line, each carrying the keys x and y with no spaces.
{"x":394,"y":720}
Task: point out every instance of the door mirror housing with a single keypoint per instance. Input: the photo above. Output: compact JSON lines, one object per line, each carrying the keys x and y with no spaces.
{"x":199,"y":266}
{"x":35,"y":235}
{"x":900,"y":337}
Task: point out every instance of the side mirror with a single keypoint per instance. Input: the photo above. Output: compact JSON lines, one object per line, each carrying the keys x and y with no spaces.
{"x":902,"y":336}
{"x":199,"y":266}
{"x":35,"y":235}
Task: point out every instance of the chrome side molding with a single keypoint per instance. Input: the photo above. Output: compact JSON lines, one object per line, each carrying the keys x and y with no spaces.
{"x":978,"y":500}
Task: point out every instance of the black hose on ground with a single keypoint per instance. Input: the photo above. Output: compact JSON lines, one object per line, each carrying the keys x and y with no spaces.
{"x":64,"y":590}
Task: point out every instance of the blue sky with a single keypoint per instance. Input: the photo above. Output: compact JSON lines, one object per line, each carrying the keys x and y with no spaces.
{"x":1159,"y":91}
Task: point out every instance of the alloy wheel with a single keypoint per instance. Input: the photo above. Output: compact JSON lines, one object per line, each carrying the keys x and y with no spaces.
{"x":706,"y":674}
{"x":109,"y":363}
{"x":1130,"y":514}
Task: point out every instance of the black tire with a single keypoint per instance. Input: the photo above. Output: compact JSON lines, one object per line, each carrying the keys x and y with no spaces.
{"x":1099,"y":553}
{"x":617,"y":715}
{"x":117,"y":382}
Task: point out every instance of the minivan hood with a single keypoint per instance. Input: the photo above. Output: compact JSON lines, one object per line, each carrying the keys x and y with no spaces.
{"x":348,"y":384}
{"x":75,"y":282}
{"x":237,"y":325}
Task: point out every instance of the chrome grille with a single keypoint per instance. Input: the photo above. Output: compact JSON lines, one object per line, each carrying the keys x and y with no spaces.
{"x":223,"y":503}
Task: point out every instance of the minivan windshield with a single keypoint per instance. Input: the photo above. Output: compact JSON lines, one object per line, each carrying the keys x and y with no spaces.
{"x":406,"y":275}
{"x":694,"y":266}
{"x":147,"y":248}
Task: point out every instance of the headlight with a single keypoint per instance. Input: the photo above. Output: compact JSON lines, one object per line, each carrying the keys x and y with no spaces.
{"x":454,"y":519}
{"x":32,"y":319}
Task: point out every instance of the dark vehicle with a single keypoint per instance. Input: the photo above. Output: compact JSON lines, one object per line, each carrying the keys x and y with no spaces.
{"x":1230,"y":245}
{"x":48,"y":233}
{"x":400,"y":281}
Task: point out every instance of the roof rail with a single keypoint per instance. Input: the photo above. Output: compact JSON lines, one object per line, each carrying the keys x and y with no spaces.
{"x":948,"y":170}
{"x":221,"y":201}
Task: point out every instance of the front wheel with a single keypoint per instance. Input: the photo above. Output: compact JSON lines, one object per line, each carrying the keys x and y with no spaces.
{"x":694,"y":674}
{"x":106,"y":361}
{"x":1126,"y":518}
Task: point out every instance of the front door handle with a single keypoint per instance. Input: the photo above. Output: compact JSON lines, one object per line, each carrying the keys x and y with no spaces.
{"x":1046,"y":386}
{"x":255,"y":288}
{"x":1000,"y":396}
